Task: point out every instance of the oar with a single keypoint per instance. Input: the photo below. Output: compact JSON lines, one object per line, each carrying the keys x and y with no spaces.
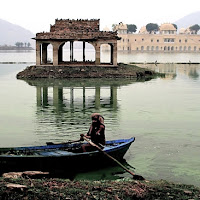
{"x":137,"y":177}
{"x":51,"y":143}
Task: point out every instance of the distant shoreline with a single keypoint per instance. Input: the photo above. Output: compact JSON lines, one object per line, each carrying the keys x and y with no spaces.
{"x":15,"y":48}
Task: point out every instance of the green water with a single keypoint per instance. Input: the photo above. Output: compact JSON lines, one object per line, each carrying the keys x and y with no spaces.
{"x":163,"y":114}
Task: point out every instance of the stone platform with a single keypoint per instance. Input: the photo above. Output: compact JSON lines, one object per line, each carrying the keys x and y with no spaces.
{"x":103,"y":71}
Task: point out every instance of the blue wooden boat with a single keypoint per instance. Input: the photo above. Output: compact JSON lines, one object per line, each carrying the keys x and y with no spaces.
{"x":60,"y":157}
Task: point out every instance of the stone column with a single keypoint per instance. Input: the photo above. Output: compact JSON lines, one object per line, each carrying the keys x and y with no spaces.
{"x":71,"y":51}
{"x":115,"y":54}
{"x":55,"y":53}
{"x":44,"y":53}
{"x":83,"y":51}
{"x":97,"y":56}
{"x":38,"y":53}
{"x":111,"y":54}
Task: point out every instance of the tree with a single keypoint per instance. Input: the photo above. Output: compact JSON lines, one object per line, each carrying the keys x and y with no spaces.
{"x":17,"y":44}
{"x":132,"y":28}
{"x":195,"y":28}
{"x":28,"y":44}
{"x":152,"y":28}
{"x":175,"y":26}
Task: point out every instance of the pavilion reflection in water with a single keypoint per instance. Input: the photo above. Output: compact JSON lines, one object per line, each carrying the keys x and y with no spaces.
{"x":89,"y":94}
{"x":56,"y":96}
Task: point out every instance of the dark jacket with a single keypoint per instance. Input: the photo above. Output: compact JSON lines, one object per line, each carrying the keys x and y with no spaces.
{"x":97,"y":133}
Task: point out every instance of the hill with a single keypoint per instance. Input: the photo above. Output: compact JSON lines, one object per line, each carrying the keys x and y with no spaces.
{"x":188,"y":20}
{"x":11,"y":33}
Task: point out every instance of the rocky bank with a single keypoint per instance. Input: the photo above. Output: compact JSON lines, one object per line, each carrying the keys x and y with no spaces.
{"x":63,"y":72}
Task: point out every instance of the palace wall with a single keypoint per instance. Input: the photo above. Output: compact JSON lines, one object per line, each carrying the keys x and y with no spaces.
{"x":159,"y":42}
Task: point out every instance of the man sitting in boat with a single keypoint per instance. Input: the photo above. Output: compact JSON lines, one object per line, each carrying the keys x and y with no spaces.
{"x":96,"y":133}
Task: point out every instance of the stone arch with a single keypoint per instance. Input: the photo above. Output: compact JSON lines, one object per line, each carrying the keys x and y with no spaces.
{"x":64,"y":51}
{"x":75,"y":51}
{"x":45,"y":51}
{"x":89,"y":52}
{"x":109,"y":56}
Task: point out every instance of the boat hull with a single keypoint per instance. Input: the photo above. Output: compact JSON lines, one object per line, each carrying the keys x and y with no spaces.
{"x":60,"y":161}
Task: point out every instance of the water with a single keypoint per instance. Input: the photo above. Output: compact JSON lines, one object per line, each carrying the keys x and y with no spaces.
{"x":163,"y":114}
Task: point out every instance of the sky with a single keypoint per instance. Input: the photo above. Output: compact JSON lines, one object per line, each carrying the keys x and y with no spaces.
{"x":37,"y":15}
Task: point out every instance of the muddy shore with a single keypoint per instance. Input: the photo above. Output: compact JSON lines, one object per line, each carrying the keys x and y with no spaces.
{"x":27,"y":188}
{"x":63,"y":72}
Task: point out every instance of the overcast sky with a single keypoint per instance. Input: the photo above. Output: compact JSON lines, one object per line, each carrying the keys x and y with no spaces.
{"x":37,"y":15}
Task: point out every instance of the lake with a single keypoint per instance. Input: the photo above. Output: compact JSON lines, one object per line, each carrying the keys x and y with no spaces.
{"x":163,"y":113}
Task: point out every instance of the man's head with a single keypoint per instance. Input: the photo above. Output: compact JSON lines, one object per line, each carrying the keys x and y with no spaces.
{"x":96,"y":117}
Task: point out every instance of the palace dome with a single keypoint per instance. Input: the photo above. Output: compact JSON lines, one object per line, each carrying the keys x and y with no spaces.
{"x":121,"y":26}
{"x":143,"y":30}
{"x":182,"y":30}
{"x":167,"y":27}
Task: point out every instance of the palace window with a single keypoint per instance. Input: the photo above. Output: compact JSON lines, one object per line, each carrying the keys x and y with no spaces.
{"x":151,"y":40}
{"x":195,"y":48}
{"x":157,"y":40}
{"x":185,"y":40}
{"x":142,"y":39}
{"x":169,"y":40}
{"x":179,"y":40}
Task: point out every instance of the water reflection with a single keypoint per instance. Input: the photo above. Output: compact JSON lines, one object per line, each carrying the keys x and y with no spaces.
{"x":64,"y":106}
{"x":172,"y":70}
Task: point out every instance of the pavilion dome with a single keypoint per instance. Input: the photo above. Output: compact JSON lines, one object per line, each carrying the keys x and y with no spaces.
{"x":143,"y":30}
{"x":167,"y":27}
{"x":121,"y":26}
{"x":182,"y":30}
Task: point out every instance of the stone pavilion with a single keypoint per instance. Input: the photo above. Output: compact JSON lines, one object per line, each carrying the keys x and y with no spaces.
{"x":66,"y":30}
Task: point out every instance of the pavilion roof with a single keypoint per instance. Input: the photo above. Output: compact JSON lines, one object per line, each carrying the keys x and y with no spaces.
{"x":76,"y":30}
